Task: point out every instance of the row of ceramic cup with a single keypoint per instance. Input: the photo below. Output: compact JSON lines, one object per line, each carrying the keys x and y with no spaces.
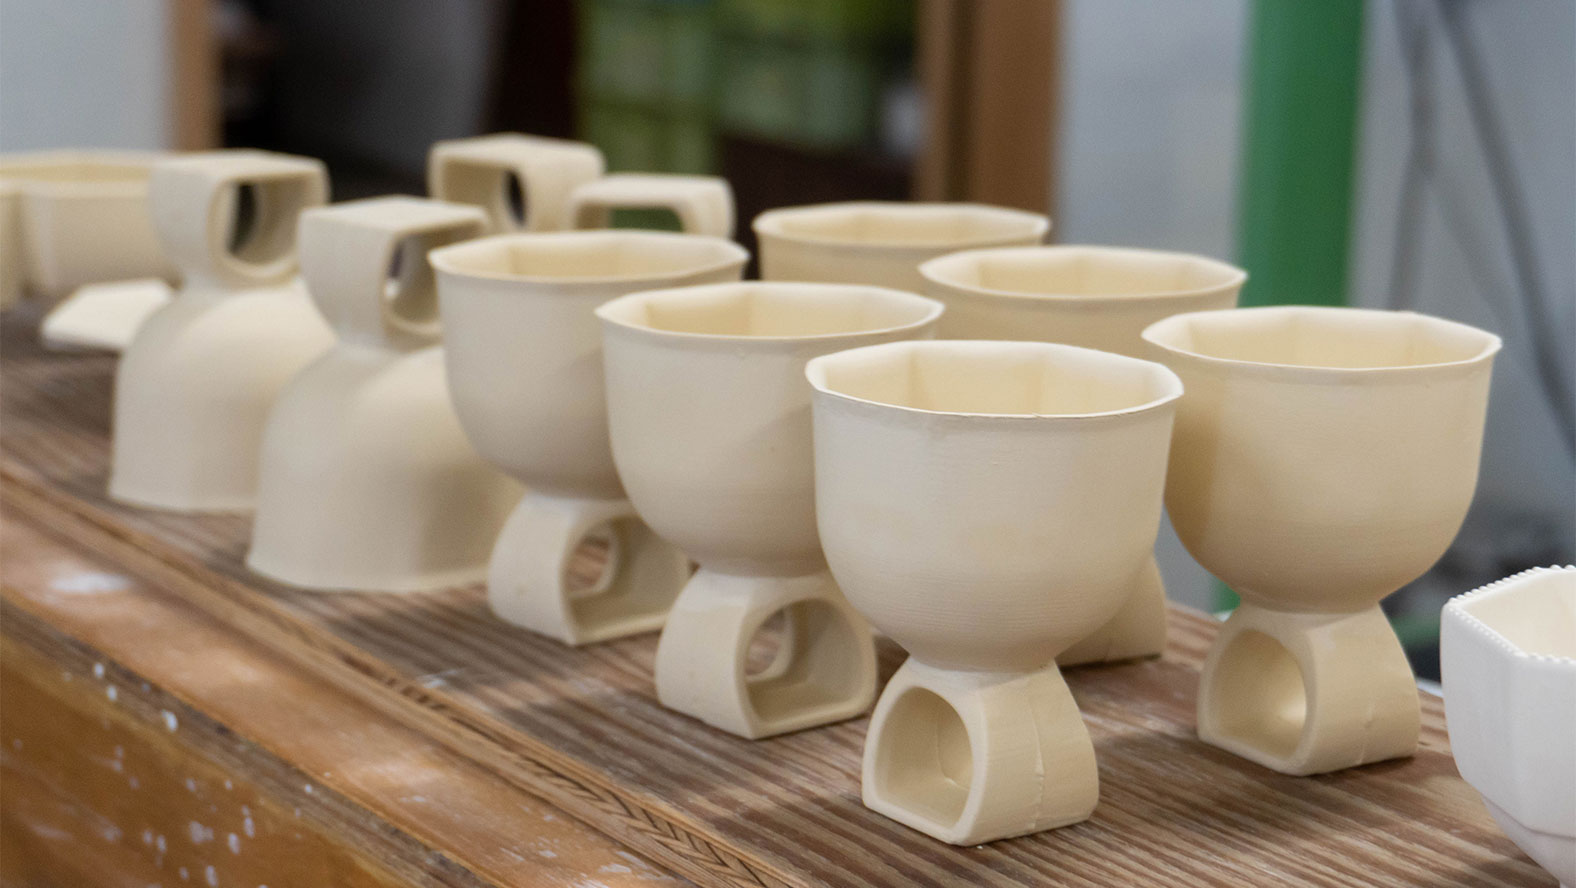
{"x":988,"y":499}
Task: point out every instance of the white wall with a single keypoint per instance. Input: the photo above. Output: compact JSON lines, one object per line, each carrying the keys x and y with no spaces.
{"x":83,"y":73}
{"x":1151,"y":106}
{"x":1151,"y":109}
{"x":1526,"y":499}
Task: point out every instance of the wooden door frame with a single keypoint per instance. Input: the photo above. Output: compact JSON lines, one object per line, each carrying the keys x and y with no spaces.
{"x":989,"y":71}
{"x":194,"y":115}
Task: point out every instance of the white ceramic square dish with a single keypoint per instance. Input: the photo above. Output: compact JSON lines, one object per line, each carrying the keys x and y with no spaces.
{"x":1508,"y":655}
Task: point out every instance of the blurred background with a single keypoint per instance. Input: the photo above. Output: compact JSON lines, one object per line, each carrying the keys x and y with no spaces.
{"x":1399,"y":153}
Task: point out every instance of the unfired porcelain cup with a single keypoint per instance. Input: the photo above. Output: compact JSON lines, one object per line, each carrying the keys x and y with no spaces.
{"x":522,"y":182}
{"x":1507,"y":653}
{"x":701,"y":204}
{"x":1324,"y":457}
{"x":986,"y":505}
{"x":193,"y":390}
{"x":882,"y":243}
{"x":367,"y":482}
{"x":524,"y":352}
{"x":80,"y":217}
{"x":709,"y":412}
{"x":1096,"y":297}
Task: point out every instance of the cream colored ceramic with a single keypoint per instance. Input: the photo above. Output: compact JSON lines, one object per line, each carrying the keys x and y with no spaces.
{"x":872,"y":242}
{"x":82,"y":218}
{"x":104,"y":316}
{"x":1096,"y":297}
{"x":523,"y":182}
{"x":11,"y":255}
{"x":367,"y":482}
{"x":1508,"y":655}
{"x":986,"y":505}
{"x":709,"y":413}
{"x":1324,"y":457}
{"x":194,"y":388}
{"x":524,"y":352}
{"x":702,"y":204}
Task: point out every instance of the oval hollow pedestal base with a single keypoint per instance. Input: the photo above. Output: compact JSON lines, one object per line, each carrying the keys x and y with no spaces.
{"x":1137,"y":630}
{"x":1308,"y":693}
{"x":971,"y":757}
{"x":528,"y":582}
{"x":823,"y":670}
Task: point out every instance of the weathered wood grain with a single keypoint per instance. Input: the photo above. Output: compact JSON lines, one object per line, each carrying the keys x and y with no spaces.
{"x":94,"y":796}
{"x":581,"y":728}
{"x":139,"y":738}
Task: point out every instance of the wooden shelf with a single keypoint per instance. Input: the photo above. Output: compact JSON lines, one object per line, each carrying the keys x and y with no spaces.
{"x":579,"y":731}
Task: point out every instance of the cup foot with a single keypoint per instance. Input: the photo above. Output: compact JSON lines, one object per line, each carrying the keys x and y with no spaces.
{"x":1137,"y":630}
{"x":1308,"y":693}
{"x":822,"y":671}
{"x":528,"y":581}
{"x":971,"y":757}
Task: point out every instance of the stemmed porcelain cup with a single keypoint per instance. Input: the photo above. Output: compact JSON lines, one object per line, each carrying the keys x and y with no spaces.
{"x":78,"y":218}
{"x":1324,"y":457}
{"x":1507,"y":652}
{"x":709,"y":412}
{"x":366,"y":480}
{"x":522,"y":182}
{"x":193,"y":390}
{"x":1096,"y":297}
{"x":882,"y":243}
{"x":699,"y":204}
{"x":986,"y":505}
{"x":523,"y":348}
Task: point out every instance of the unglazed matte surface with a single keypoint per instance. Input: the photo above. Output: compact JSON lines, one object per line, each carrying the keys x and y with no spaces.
{"x":1324,"y":457}
{"x":1095,"y":297}
{"x":104,"y":316}
{"x":522,"y":182}
{"x":529,"y":712}
{"x":1508,"y":658}
{"x":986,"y":505}
{"x":880,"y":243}
{"x":11,"y":257}
{"x":193,"y":390}
{"x":367,"y":482}
{"x":524,"y":352}
{"x":76,"y":218}
{"x":702,"y":204}
{"x":709,"y":412}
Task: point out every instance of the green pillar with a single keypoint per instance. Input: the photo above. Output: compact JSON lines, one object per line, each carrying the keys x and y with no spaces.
{"x":1304,"y":65}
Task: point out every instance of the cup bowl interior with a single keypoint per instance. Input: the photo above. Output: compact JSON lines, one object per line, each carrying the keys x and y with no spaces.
{"x":589,"y":256}
{"x":1079,"y":272}
{"x":1533,"y":616}
{"x":903,"y":224}
{"x":995,"y":379}
{"x":767,"y":310}
{"x":76,"y":171}
{"x":1322,"y":338}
